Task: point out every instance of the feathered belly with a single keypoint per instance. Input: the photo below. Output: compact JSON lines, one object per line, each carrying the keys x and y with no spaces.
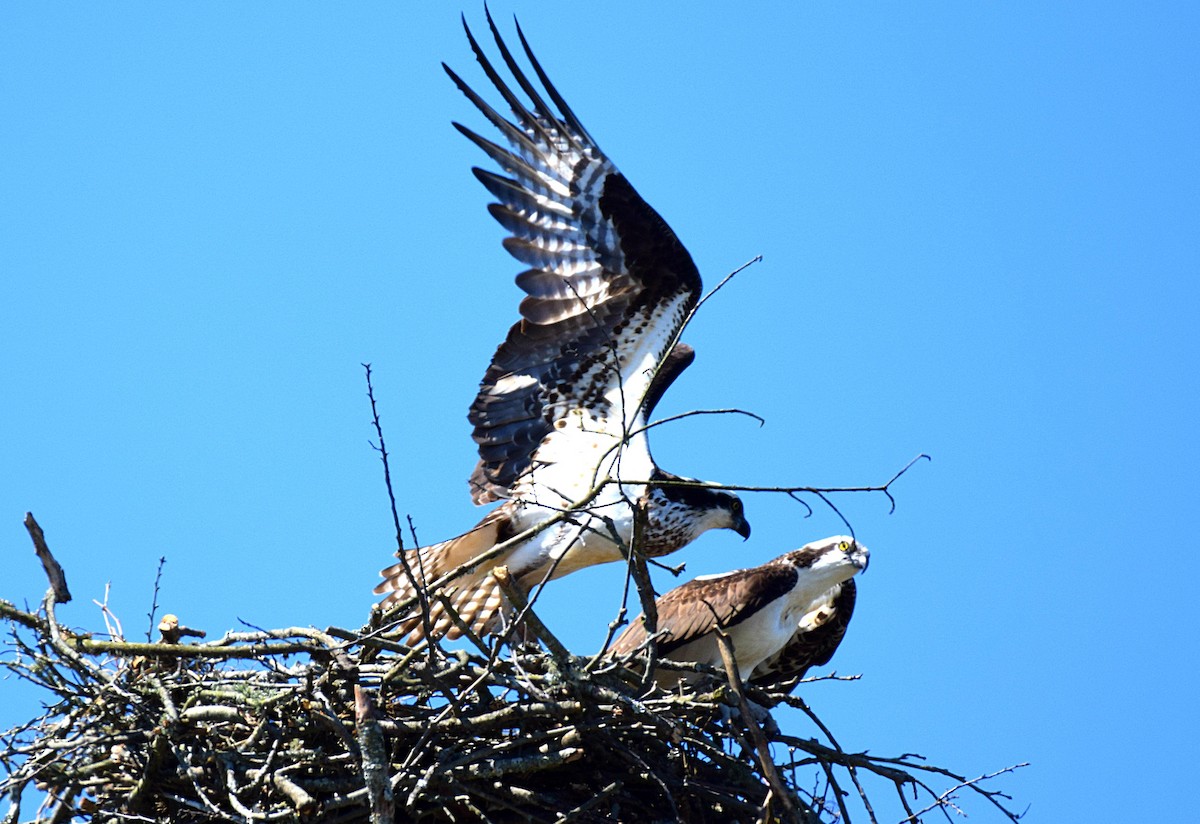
{"x":581,"y":539}
{"x":762,"y":634}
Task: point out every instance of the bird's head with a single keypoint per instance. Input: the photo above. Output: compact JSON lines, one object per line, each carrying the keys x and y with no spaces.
{"x":836,"y":551}
{"x":725,"y":511}
{"x":707,"y":506}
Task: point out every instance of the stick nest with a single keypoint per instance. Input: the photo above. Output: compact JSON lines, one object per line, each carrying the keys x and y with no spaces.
{"x":300,"y":724}
{"x":337,"y":726}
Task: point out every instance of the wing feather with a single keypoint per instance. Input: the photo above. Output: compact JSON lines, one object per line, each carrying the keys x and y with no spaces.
{"x":677,"y":360}
{"x":692,"y":610}
{"x":430,"y":563}
{"x":608,"y":286}
{"x":568,"y":115}
{"x":514,"y":164}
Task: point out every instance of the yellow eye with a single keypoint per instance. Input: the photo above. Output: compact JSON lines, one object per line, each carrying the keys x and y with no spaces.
{"x":844,"y":546}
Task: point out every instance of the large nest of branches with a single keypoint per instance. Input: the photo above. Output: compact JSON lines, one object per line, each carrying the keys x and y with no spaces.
{"x":338,"y":726}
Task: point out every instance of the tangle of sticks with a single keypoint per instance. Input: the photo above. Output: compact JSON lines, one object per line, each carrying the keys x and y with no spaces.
{"x":301,"y":724}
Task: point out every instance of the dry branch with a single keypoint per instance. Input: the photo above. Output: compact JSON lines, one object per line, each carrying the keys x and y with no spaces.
{"x":54,"y":572}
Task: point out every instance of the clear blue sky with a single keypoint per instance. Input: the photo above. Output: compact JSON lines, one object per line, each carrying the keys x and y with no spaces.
{"x":979,"y":225}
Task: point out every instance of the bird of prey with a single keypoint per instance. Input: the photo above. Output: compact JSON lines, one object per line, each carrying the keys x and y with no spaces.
{"x":561,"y":414}
{"x":782,"y":617}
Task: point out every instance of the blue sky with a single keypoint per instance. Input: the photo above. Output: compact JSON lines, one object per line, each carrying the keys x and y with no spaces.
{"x":979,"y":231}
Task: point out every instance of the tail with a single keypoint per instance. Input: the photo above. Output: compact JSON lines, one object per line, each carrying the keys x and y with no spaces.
{"x":474,"y":594}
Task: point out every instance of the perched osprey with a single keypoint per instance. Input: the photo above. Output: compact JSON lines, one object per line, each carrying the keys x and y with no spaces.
{"x":783,"y":617}
{"x":564,"y":404}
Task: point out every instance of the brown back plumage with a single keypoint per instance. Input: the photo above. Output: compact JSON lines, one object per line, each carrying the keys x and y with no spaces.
{"x":692,"y":610}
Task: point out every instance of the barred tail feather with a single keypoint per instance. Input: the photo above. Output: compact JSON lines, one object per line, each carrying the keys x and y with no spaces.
{"x":426,"y":565}
{"x":476,"y":600}
{"x":474,"y":594}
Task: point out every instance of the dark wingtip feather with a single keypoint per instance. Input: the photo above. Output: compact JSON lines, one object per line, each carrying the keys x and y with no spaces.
{"x":539,"y":104}
{"x":526,"y":118}
{"x":568,"y":115}
{"x":501,"y":187}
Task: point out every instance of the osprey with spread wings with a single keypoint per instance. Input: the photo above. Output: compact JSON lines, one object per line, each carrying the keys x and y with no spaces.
{"x":561,"y":413}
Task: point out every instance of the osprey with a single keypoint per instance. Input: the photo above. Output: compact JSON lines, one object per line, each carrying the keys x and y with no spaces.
{"x":560,"y":418}
{"x":783,"y":617}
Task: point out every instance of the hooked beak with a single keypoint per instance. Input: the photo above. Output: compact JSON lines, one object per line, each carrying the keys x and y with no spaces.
{"x":742,"y":527}
{"x":861,"y":559}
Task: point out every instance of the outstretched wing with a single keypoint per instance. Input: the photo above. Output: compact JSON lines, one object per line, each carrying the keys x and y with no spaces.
{"x":693,"y":610}
{"x":811,"y":646}
{"x":608,"y":288}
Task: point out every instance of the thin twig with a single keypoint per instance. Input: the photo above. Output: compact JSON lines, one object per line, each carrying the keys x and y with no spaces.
{"x":154,"y":600}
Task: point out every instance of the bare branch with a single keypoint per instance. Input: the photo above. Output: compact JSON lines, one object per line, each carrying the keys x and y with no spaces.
{"x":54,"y":572}
{"x":374,"y":756}
{"x":528,"y":618}
{"x":793,"y":491}
{"x":761,"y":747}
